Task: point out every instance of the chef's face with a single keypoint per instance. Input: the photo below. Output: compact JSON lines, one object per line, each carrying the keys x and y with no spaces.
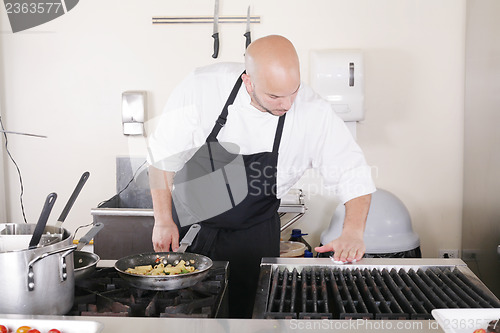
{"x":273,"y":93}
{"x":275,"y":103}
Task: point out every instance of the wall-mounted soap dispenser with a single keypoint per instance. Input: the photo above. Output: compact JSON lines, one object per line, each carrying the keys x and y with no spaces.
{"x":337,"y":75}
{"x":133,"y":110}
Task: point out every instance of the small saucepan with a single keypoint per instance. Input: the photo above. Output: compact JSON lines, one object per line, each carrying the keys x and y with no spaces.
{"x":86,"y":262}
{"x":166,"y":282}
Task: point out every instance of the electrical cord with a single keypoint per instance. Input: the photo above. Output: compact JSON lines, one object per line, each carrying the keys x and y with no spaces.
{"x":21,"y":178}
{"x":123,"y":189}
{"x":17,"y":168}
{"x":103,"y":202}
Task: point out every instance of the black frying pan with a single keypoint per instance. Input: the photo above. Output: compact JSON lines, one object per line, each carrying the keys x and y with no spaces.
{"x":84,"y":262}
{"x":166,"y":282}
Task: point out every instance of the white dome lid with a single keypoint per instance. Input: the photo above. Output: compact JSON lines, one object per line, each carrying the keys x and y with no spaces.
{"x":388,"y":226}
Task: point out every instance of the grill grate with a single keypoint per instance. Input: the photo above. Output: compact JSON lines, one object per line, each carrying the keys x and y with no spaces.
{"x":105,"y":293}
{"x":342,"y":293}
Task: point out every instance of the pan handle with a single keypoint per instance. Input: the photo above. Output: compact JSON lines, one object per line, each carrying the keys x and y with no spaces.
{"x":89,"y":235}
{"x":63,"y":266}
{"x":188,"y":238}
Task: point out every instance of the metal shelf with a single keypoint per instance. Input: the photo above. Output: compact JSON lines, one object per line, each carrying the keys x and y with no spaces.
{"x":296,"y":207}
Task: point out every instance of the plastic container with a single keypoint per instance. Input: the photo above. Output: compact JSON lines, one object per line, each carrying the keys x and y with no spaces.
{"x":296,"y":236}
{"x":292,"y":249}
{"x":388,"y":232}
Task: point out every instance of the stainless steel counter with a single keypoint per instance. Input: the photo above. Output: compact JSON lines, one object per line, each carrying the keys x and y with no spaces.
{"x":136,"y":324}
{"x":119,"y":324}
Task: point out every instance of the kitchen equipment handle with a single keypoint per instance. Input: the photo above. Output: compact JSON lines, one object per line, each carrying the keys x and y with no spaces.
{"x":351,"y":74}
{"x":89,"y":235}
{"x":292,"y":221}
{"x":42,"y":221}
{"x":188,"y":239}
{"x":72,"y":198}
{"x":215,"y":36}
{"x":63,"y":270}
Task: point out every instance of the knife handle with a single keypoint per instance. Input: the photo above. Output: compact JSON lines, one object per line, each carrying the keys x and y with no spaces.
{"x":248,"y":39}
{"x":215,"y":36}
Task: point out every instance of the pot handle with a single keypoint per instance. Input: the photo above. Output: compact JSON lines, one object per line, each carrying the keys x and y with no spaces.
{"x":63,"y":269}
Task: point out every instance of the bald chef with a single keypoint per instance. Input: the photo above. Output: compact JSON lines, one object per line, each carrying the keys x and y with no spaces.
{"x":239,"y":137}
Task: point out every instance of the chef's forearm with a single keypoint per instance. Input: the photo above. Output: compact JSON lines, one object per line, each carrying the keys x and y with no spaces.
{"x":356,"y":212}
{"x":160,"y":183}
{"x":350,"y":246}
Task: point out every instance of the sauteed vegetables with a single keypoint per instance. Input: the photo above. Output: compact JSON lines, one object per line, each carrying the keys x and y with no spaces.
{"x":182,"y":267}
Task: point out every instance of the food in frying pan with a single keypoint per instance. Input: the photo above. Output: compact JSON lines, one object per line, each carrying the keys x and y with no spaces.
{"x":182,"y":267}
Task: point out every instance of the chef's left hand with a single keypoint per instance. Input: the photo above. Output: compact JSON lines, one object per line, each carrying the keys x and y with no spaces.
{"x":347,"y":248}
{"x":350,"y":245}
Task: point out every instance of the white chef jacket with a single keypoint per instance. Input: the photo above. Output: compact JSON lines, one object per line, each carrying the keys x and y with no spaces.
{"x":313,"y":135}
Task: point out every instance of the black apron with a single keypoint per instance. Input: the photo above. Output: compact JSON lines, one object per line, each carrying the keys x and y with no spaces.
{"x":250,"y":230}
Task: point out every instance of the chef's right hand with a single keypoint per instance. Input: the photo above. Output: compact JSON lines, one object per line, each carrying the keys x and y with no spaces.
{"x":165,"y":235}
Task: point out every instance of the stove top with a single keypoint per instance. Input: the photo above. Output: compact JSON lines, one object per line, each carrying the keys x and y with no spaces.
{"x":106,"y":294}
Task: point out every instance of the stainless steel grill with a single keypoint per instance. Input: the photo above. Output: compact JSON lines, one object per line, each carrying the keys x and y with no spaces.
{"x":372,"y":289}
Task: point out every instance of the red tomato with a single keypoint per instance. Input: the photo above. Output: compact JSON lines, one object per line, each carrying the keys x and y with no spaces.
{"x":33,"y":330}
{"x":480,"y":330}
{"x":54,"y":331}
{"x":23,"y":329}
{"x":3,"y":329}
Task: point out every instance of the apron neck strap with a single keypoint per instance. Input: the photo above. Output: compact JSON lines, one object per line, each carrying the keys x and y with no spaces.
{"x":279,"y":131}
{"x":221,"y":121}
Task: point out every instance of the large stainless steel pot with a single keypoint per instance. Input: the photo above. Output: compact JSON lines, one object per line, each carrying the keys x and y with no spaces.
{"x":39,"y":281}
{"x":15,"y":237}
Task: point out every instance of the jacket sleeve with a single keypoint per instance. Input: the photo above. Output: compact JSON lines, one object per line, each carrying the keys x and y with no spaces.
{"x":338,"y":157}
{"x":177,"y":131}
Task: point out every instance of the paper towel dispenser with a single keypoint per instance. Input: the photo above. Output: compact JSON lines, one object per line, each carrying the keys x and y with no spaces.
{"x":337,"y":75}
{"x":133,"y":110}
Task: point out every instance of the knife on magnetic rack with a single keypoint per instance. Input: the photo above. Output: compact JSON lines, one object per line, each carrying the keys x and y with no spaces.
{"x":247,"y":33}
{"x":215,"y":35}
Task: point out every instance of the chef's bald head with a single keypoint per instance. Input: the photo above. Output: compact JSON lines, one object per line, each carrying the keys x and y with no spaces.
{"x":272,"y":58}
{"x":272,"y":77}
